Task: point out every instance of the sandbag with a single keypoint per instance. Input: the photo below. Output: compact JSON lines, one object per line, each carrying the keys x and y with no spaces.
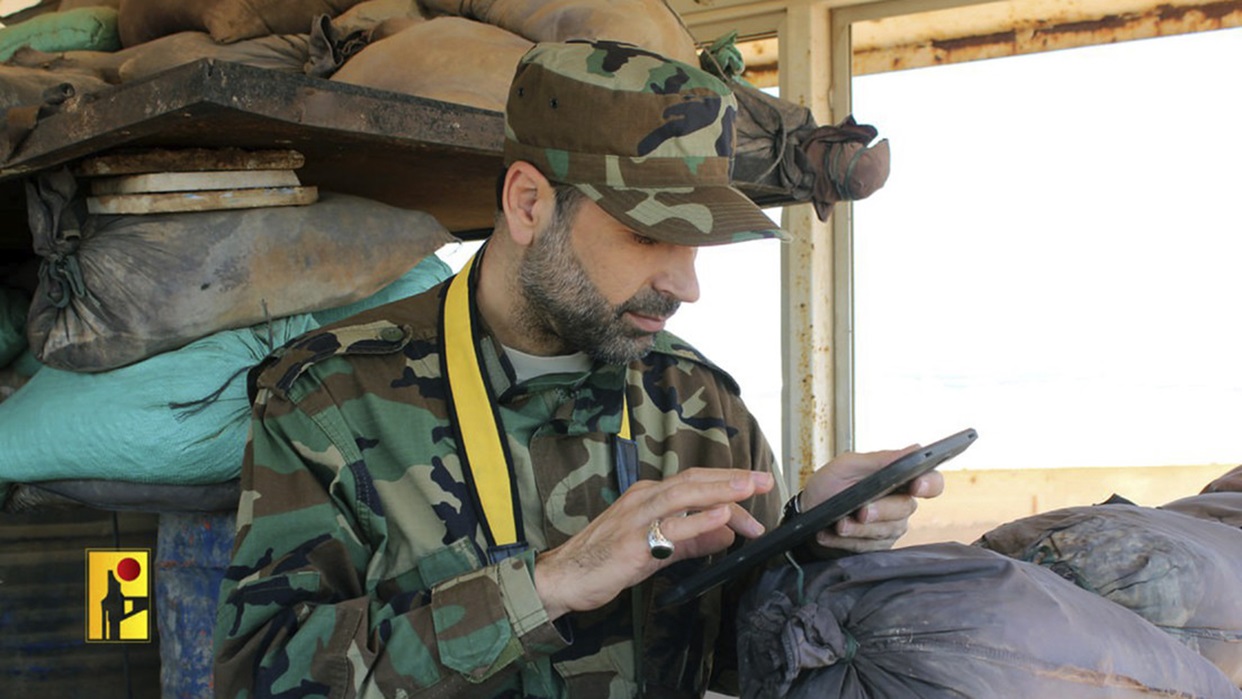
{"x":83,"y":29}
{"x":286,"y":53}
{"x":178,"y":417}
{"x":1230,"y":482}
{"x":226,"y":20}
{"x":99,"y":64}
{"x":366,"y":16}
{"x":75,"y":4}
{"x":21,"y":86}
{"x":781,"y":150}
{"x":1224,"y":506}
{"x":423,"y":276}
{"x":117,"y":289}
{"x":447,"y":58}
{"x":1179,"y":572}
{"x":947,"y":621}
{"x":651,"y":24}
{"x":14,"y":305}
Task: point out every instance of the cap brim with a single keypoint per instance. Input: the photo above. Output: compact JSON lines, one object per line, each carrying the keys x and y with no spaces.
{"x":704,"y":215}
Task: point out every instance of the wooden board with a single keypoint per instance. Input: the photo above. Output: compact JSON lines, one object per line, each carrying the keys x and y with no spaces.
{"x":176,"y":202}
{"x":193,"y":181}
{"x":188,"y":160}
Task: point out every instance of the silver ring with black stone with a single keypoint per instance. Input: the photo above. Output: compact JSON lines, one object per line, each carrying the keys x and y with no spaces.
{"x":659,"y":544}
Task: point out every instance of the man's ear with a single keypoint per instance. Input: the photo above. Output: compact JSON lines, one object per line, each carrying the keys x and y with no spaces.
{"x":527,"y":200}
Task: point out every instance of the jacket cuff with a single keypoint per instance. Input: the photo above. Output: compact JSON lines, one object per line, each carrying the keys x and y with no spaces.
{"x":488,"y":619}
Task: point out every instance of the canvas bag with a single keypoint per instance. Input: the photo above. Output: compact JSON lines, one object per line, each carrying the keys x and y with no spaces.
{"x":447,"y":58}
{"x":1181,"y":573}
{"x":114,"y":290}
{"x":140,"y":21}
{"x":651,"y":24}
{"x":947,"y":621}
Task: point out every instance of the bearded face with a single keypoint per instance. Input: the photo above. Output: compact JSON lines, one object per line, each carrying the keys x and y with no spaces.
{"x":562,"y":303}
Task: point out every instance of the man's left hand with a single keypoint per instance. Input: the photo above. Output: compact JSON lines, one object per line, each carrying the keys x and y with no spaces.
{"x":876,"y":525}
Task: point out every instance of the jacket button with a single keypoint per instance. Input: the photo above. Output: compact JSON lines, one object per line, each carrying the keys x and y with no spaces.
{"x":391,"y":334}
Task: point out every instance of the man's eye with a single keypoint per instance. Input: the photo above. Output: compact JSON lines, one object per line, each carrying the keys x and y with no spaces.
{"x":643,"y":240}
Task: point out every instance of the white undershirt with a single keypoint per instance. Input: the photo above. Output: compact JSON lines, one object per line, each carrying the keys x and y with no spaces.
{"x":529,"y":366}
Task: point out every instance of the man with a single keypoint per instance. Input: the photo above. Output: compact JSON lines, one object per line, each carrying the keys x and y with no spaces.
{"x":478,"y":491}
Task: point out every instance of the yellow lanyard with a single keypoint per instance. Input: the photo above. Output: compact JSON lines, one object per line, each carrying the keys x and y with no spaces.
{"x":486,"y":462}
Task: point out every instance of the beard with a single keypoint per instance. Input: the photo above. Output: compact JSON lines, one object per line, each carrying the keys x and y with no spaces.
{"x":562,"y":305}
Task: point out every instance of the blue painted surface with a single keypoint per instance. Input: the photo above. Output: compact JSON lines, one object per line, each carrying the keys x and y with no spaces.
{"x":191,"y":556}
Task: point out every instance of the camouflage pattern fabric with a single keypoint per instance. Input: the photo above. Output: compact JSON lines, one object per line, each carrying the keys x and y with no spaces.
{"x":662,"y":166}
{"x":359,"y":567}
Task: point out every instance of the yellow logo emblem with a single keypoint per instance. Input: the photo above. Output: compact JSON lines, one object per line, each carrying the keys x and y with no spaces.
{"x":118,"y":595}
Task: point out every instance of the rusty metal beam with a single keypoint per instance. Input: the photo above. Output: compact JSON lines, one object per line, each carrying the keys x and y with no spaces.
{"x":916,"y":41}
{"x":977,"y":32}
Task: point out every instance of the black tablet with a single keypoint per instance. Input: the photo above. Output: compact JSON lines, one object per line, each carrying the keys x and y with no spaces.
{"x":802,"y":527}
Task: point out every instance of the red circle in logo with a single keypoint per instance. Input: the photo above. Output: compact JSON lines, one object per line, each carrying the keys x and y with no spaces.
{"x":128,"y":569}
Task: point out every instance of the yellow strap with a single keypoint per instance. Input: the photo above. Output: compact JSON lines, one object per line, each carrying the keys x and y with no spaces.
{"x":479,"y":432}
{"x":473,"y":412}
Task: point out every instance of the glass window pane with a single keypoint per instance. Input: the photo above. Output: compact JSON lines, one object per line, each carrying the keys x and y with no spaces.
{"x":1054,"y":258}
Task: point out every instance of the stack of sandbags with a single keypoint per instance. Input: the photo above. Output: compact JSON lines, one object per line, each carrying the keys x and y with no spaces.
{"x":169,"y":181}
{"x":146,"y":324}
{"x":465,"y":53}
{"x":948,"y":621}
{"x":468,"y":52}
{"x":117,"y":289}
{"x":1179,"y":571}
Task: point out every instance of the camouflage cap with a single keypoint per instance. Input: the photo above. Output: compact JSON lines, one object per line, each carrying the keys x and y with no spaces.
{"x":647,"y":138}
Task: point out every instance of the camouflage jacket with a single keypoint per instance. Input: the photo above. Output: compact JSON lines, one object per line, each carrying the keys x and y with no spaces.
{"x":359,"y":567}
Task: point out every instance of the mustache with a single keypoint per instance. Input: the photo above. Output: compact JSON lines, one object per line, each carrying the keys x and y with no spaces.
{"x":650,"y":302}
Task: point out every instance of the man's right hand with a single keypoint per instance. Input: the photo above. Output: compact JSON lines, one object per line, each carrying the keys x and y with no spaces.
{"x":697,"y":510}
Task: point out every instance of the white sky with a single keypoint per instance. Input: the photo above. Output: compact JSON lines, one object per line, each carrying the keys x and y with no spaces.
{"x":1054,"y":258}
{"x":1053,"y":261}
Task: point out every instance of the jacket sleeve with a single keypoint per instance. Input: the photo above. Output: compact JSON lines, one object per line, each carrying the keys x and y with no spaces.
{"x":298,"y":612}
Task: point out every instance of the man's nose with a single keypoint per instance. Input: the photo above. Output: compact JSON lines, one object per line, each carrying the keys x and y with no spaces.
{"x":678,"y":278}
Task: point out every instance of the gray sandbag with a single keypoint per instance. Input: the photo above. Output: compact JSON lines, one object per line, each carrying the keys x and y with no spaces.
{"x":117,"y":289}
{"x":1224,"y":506}
{"x":780,"y":149}
{"x":227,"y":21}
{"x":447,"y":58}
{"x":1181,"y":573}
{"x":14,"y":305}
{"x":651,"y":24}
{"x":947,"y":621}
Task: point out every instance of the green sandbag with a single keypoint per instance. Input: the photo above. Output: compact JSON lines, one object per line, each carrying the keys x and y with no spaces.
{"x":178,"y":417}
{"x":83,"y":29}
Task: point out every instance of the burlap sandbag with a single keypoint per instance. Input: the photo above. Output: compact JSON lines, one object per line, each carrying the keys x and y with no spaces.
{"x":1179,"y":572}
{"x":23,"y":86}
{"x":118,"y":289}
{"x":651,"y":24}
{"x":281,"y":52}
{"x":366,"y":16}
{"x":947,"y":621}
{"x":226,"y":20}
{"x":447,"y":58}
{"x":98,"y":64}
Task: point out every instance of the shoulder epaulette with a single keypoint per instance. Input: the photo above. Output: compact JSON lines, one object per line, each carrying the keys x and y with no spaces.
{"x":667,"y":343}
{"x":283,"y":367}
